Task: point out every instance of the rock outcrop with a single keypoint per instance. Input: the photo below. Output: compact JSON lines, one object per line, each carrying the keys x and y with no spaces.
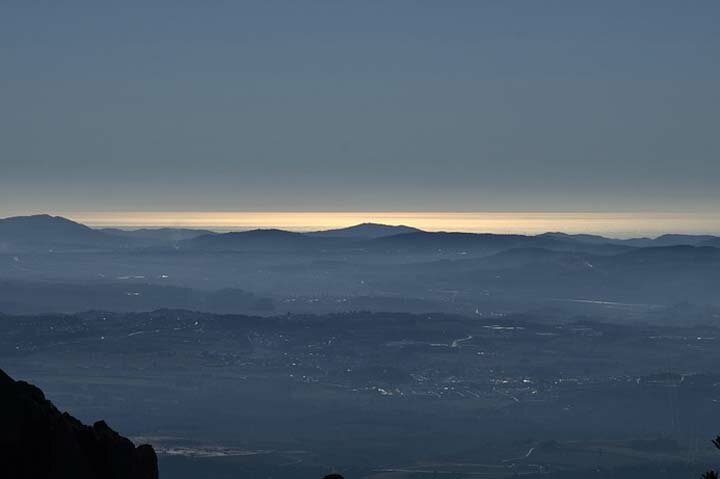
{"x":37,"y":441}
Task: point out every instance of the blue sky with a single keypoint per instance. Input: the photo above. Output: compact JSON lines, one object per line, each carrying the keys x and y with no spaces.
{"x":365,"y":105}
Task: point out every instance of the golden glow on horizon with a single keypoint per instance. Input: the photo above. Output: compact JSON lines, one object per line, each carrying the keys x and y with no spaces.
{"x":614,"y":224}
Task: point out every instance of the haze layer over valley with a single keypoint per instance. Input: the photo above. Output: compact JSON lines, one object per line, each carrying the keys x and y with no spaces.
{"x":50,"y":264}
{"x":382,"y":351}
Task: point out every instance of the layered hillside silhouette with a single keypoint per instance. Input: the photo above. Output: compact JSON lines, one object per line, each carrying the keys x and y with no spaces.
{"x":51,"y":264}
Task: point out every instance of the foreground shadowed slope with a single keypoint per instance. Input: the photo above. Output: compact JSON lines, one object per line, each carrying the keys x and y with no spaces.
{"x":38,"y":441}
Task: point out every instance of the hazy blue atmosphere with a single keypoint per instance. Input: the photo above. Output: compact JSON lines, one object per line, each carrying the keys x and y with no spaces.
{"x":366,"y":240}
{"x":314,"y":105}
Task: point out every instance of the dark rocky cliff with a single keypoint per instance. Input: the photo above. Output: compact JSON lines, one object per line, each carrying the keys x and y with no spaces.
{"x":37,"y":441}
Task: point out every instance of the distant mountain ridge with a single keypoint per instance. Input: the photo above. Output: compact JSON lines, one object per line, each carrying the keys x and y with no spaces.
{"x":290,"y":270}
{"x":157,"y":235}
{"x":48,"y":233}
{"x":485,"y":243}
{"x":19,"y":226}
{"x":365,"y":230}
{"x":662,"y":240}
{"x":261,"y":239}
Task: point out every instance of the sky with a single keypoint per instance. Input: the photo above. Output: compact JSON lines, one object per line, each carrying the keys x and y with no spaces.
{"x":549,"y":106}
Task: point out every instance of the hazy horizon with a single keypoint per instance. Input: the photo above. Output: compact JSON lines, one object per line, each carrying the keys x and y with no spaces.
{"x":612,"y":224}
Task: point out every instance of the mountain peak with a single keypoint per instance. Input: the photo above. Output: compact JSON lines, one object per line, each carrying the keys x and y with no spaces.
{"x":46,"y":232}
{"x":365,"y":231}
